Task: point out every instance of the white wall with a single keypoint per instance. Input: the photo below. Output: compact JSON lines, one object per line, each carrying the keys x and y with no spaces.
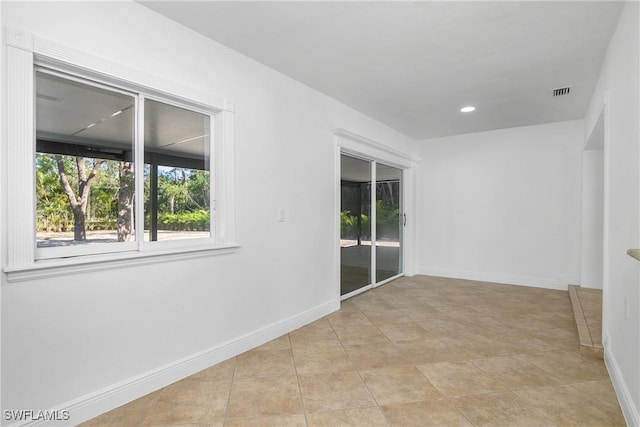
{"x":502,"y":206}
{"x":618,"y":88}
{"x":592,"y":255}
{"x":65,"y":339}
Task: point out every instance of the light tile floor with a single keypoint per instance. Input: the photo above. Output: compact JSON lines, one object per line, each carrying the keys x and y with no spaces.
{"x":419,"y":351}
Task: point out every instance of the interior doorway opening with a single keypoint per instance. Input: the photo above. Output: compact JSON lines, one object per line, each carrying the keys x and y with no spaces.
{"x":592,"y":265}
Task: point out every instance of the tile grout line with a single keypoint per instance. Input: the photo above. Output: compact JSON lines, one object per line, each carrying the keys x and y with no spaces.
{"x":355,"y":366}
{"x":415,"y":365}
{"x":538,"y":410}
{"x":295,"y":367}
{"x":151,"y":407}
{"x":233,"y":379}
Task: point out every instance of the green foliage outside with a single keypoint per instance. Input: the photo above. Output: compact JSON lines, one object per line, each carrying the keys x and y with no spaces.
{"x":387,"y":219}
{"x":197,"y":220}
{"x":183,"y":197}
{"x":53,"y":212}
{"x":349,"y":228}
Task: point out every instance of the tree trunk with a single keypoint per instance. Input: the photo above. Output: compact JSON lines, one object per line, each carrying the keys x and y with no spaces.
{"x":124,"y":223}
{"x":78,"y":202}
{"x":79,"y":233}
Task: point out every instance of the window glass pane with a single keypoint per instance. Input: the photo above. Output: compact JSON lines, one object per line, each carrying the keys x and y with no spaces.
{"x":177,"y":178}
{"x":355,"y":224}
{"x":388,"y":222}
{"x":84,"y":163}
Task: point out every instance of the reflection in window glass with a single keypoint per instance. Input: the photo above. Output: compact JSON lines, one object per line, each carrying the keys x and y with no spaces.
{"x":388,"y":222}
{"x":176,"y":175}
{"x":84,"y":163}
{"x":355,"y":224}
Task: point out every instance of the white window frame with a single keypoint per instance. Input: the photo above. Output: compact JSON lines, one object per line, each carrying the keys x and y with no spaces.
{"x":184,"y":243}
{"x":25,"y":52}
{"x":88,"y":249}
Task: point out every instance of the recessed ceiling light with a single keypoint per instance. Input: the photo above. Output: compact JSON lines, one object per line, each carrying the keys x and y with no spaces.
{"x":467,"y":109}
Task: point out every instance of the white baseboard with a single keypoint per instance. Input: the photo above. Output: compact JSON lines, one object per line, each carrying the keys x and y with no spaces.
{"x":628,"y":406}
{"x":91,"y":405}
{"x":560,"y":282}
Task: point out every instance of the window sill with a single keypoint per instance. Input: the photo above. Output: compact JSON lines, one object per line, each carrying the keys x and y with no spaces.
{"x":83,"y":264}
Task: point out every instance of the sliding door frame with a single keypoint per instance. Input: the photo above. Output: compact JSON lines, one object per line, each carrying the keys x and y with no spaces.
{"x":372,"y":230}
{"x":401,"y":224}
{"x":363,"y":148}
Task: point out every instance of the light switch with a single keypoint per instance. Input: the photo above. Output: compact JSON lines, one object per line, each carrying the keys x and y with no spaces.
{"x":282,"y":215}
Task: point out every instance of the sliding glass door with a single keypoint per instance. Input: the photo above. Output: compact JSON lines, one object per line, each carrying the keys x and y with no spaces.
{"x":370,"y":224}
{"x":388,"y":222}
{"x":355,"y":224}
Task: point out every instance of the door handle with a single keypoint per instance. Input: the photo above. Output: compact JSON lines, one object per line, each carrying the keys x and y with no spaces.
{"x":404,"y":219}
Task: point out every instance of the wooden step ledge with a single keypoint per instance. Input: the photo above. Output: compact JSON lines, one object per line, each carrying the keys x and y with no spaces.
{"x":589,"y":329}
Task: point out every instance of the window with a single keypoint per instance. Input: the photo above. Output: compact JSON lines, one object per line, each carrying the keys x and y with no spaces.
{"x":123,"y":166}
{"x":177,"y":181}
{"x":86,"y":168}
{"x":84,"y":165}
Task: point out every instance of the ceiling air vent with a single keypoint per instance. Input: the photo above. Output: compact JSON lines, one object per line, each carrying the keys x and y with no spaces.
{"x":561,"y":91}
